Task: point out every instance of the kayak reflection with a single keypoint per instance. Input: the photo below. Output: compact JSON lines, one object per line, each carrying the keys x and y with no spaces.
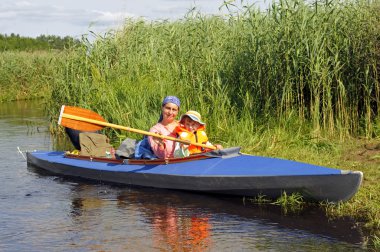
{"x":181,"y":232}
{"x":170,"y":227}
{"x":212,"y":213}
{"x":174,"y":227}
{"x":163,"y":220}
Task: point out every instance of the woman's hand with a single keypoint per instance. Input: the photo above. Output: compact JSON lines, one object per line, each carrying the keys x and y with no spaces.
{"x":159,"y":141}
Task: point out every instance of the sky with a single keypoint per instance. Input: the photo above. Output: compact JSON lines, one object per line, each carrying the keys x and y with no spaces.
{"x":31,"y":18}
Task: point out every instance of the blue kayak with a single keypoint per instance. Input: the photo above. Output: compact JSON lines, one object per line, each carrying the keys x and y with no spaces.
{"x":236,"y":174}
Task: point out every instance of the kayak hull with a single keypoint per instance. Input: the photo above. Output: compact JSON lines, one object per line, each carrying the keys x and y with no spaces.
{"x":242,"y":175}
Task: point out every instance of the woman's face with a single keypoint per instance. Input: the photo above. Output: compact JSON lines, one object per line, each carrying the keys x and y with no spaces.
{"x":169,"y":112}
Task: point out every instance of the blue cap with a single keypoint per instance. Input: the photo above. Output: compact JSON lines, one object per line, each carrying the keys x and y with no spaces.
{"x":171,"y":99}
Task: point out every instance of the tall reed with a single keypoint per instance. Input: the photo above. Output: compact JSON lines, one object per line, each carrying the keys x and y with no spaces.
{"x":296,"y":66}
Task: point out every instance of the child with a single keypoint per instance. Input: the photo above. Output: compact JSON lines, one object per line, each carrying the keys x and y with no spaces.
{"x":191,"y":128}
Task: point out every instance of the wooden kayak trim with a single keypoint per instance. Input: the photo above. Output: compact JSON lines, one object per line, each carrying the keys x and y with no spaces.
{"x":138,"y":161}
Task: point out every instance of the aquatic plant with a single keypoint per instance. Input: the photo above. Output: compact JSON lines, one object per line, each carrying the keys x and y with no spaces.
{"x":260,"y":199}
{"x":290,"y":203}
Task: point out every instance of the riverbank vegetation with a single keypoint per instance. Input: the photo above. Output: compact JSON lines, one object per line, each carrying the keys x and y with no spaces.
{"x":28,"y":66}
{"x":298,"y":81}
{"x":28,"y":75}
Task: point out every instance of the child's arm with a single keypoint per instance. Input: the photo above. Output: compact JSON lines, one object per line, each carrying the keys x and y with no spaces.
{"x":217,"y":146}
{"x":181,"y":150}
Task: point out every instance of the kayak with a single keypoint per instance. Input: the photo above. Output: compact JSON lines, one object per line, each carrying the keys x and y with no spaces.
{"x":217,"y":172}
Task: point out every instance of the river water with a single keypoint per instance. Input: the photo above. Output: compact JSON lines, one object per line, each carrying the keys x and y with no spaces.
{"x":47,"y":213}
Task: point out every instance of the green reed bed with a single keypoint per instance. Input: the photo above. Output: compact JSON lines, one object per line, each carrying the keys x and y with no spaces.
{"x":27,"y":75}
{"x":296,"y":81}
{"x":314,"y":63}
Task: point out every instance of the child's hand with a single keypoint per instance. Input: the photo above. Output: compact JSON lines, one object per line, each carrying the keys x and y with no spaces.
{"x":184,"y":146}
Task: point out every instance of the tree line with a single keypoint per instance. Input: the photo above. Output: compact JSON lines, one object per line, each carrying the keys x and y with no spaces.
{"x":15,"y":42}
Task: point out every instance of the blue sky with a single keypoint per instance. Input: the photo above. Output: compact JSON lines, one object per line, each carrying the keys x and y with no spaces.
{"x":76,"y":17}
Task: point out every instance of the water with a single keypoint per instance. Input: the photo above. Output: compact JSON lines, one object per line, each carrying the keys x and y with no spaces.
{"x":47,"y":213}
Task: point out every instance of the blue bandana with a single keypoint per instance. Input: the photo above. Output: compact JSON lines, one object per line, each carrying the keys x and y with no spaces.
{"x":171,"y":99}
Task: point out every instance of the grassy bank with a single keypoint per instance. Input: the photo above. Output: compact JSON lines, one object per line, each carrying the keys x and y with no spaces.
{"x":351,"y":154}
{"x":297,"y":81}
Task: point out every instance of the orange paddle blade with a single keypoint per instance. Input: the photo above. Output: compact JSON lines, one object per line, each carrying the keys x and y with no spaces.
{"x":76,"y":124}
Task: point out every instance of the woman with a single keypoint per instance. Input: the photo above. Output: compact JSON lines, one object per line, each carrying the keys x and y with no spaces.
{"x":166,"y":125}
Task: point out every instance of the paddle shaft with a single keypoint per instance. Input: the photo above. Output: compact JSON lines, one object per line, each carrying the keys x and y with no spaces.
{"x":106,"y":124}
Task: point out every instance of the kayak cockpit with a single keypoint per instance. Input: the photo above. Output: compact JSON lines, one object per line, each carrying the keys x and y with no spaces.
{"x":138,"y":161}
{"x":225,"y":153}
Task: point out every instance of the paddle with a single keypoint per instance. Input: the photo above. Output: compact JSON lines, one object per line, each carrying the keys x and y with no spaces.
{"x":87,"y":120}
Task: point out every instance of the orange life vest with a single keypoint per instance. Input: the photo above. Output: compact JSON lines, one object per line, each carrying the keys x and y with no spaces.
{"x":198,"y":136}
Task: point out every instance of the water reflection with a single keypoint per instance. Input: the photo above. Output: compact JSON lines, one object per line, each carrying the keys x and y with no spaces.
{"x":82,"y":206}
{"x":214,"y":213}
{"x":174,"y":227}
{"x":176,"y":232}
{"x":22,"y":109}
{"x":180,"y":221}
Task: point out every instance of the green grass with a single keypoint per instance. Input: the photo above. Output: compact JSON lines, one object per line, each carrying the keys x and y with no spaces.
{"x":376,"y":242}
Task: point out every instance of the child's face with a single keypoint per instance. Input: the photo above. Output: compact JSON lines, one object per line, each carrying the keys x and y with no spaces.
{"x":190,"y":124}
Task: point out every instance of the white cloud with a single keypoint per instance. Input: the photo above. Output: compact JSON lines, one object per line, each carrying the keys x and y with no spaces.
{"x":109,"y":18}
{"x":17,"y":17}
{"x":23,"y":3}
{"x":74,"y":17}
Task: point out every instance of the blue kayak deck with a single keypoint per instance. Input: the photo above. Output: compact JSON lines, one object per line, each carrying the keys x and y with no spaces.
{"x":242,"y":165}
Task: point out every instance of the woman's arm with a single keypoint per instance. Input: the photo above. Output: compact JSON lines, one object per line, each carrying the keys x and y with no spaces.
{"x":158,"y":145}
